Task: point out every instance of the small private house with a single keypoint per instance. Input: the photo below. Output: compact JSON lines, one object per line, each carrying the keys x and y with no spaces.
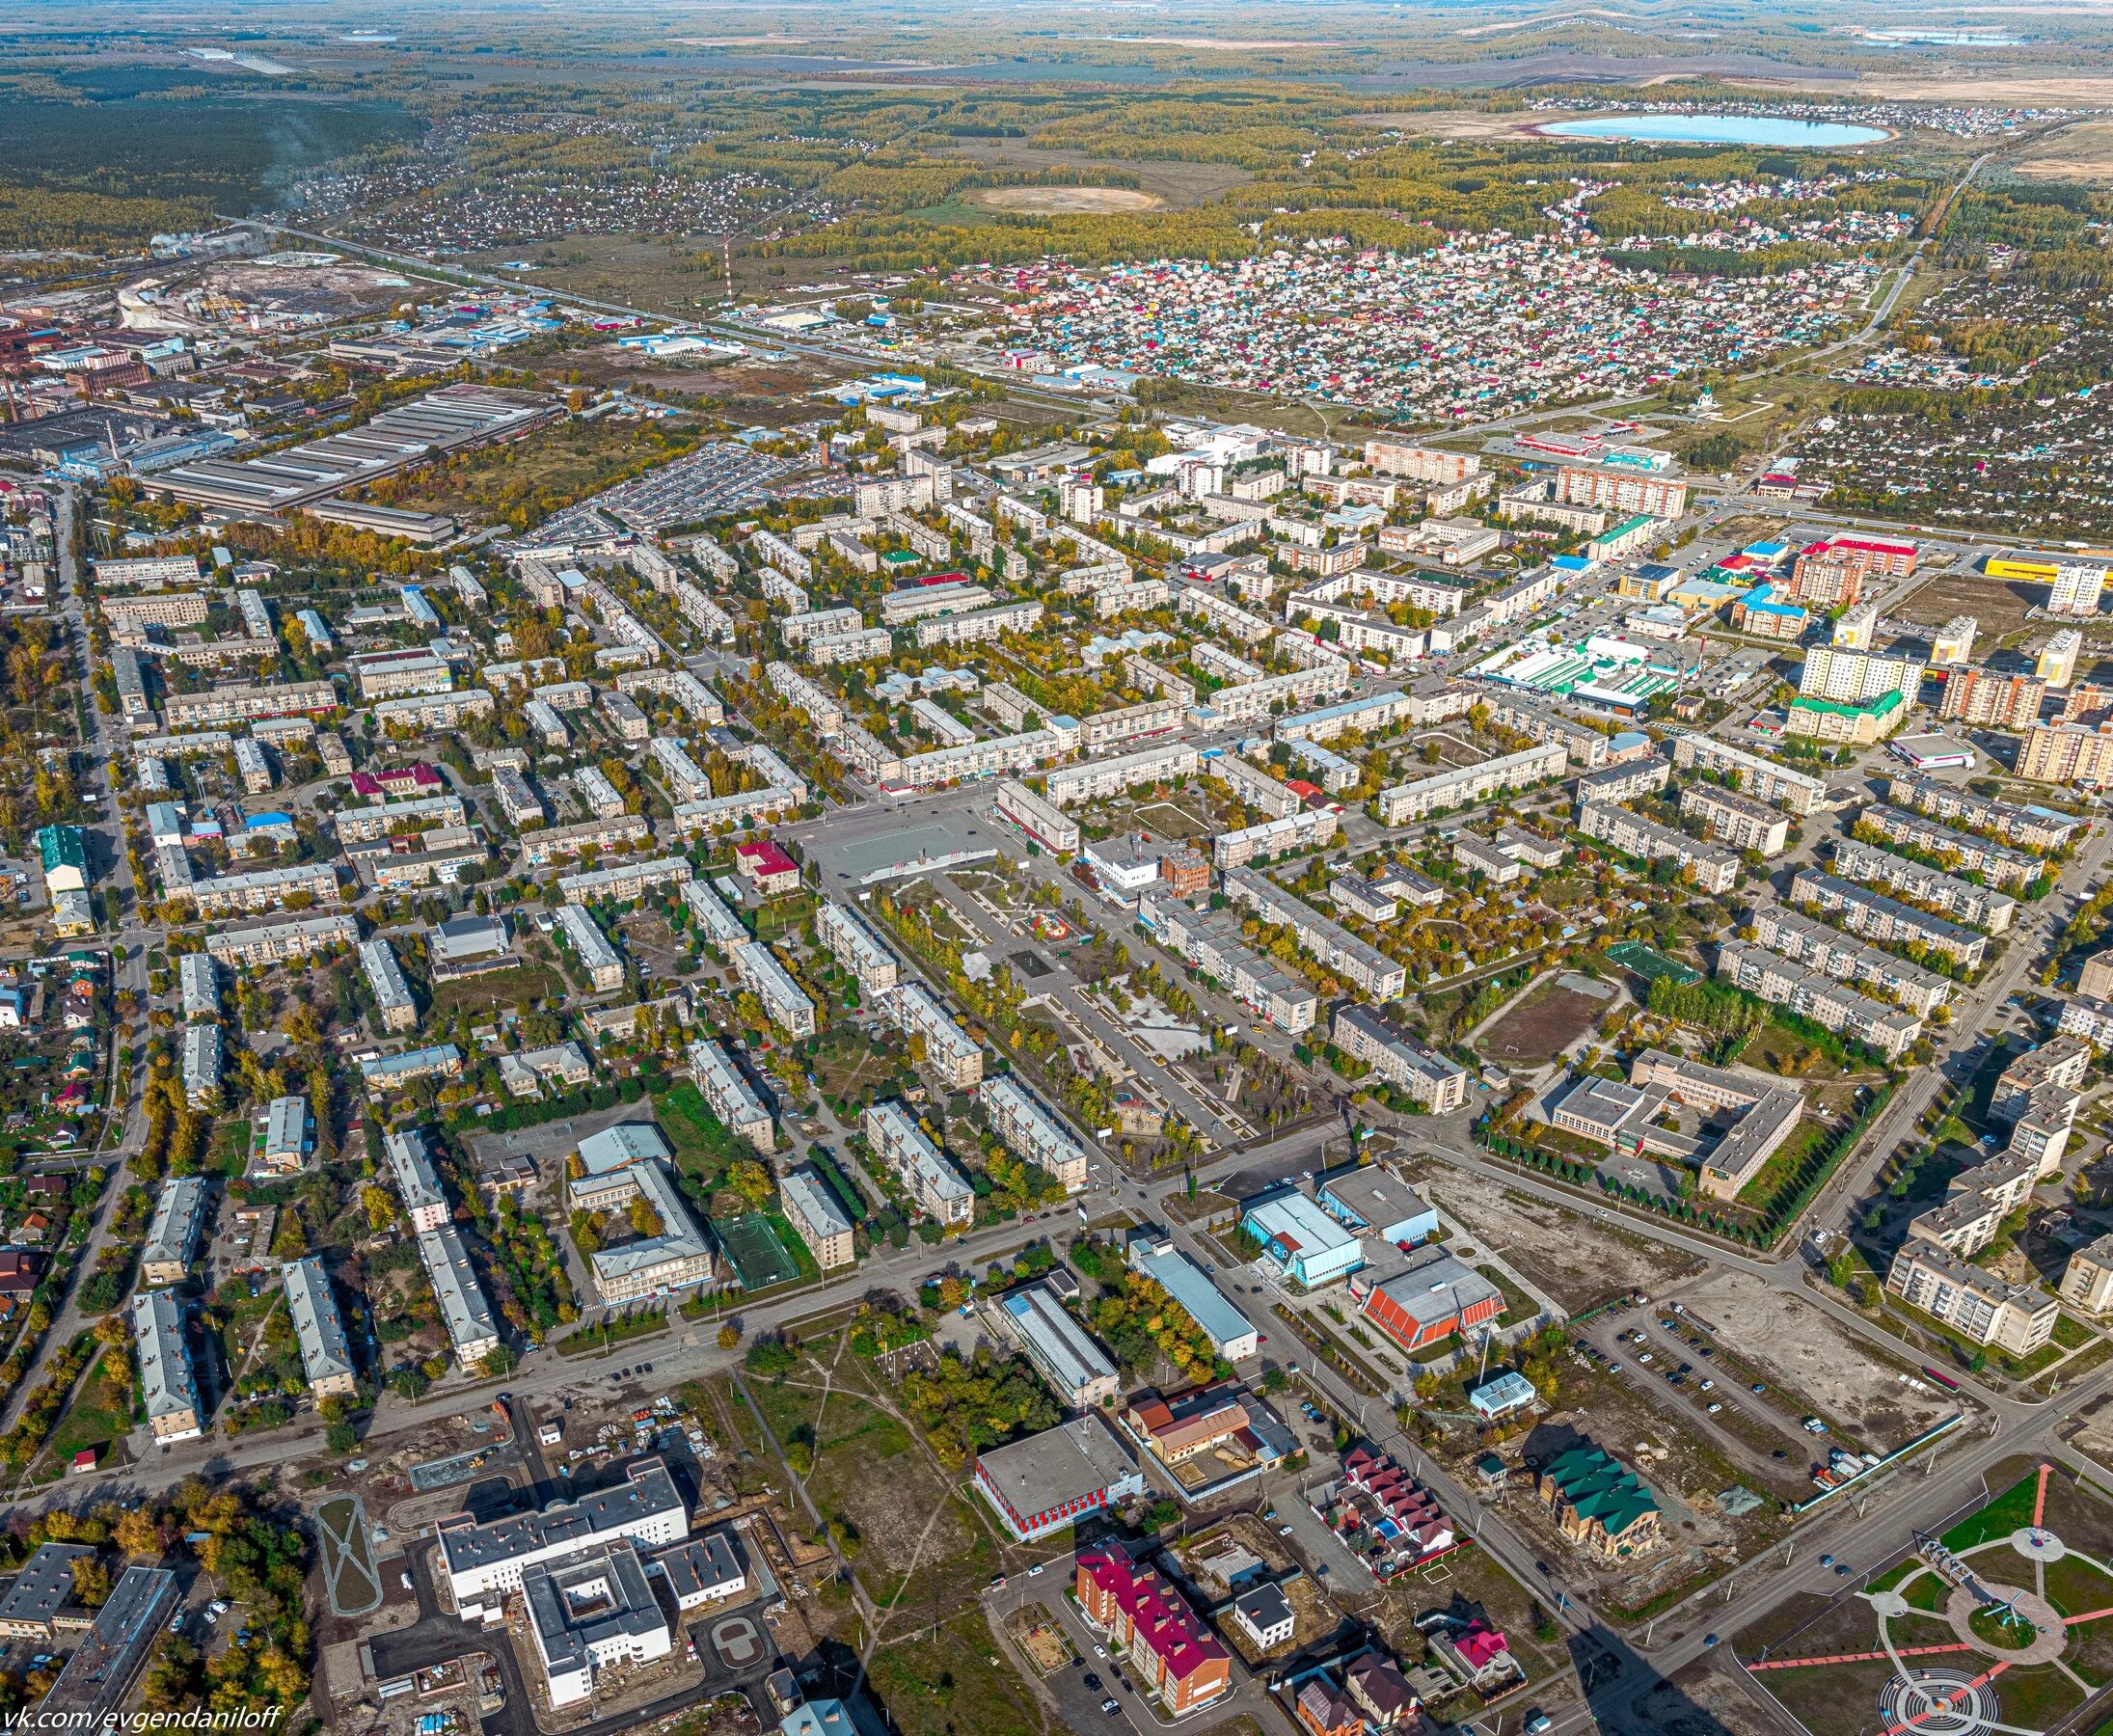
{"x":1305,"y":1244}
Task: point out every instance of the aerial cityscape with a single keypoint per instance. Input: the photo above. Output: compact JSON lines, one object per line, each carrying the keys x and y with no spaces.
{"x":1109,"y":868}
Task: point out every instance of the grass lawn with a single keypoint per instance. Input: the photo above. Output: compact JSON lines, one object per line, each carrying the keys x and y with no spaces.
{"x":101,"y":1415}
{"x":2037,"y":1699}
{"x":1773,"y":1048}
{"x":1782,"y":1163}
{"x":2071,"y":1335}
{"x":2006,"y":1513}
{"x":1518,"y":1305}
{"x":2075,"y":1587}
{"x":496,"y":990}
{"x":702,"y":1144}
{"x":951,"y":1681}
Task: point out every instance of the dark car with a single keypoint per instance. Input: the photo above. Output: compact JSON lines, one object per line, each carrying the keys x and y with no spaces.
{"x":1092,"y":1680}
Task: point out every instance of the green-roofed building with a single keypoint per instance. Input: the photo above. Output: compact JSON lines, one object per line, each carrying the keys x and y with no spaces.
{"x":65,"y":852}
{"x":1599,"y":1502}
{"x":1861,"y":725}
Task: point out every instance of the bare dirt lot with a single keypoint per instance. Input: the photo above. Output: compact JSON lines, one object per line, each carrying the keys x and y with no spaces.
{"x":1816,"y":1358}
{"x":1541,"y":1027}
{"x":1065,"y":201}
{"x":1578,"y":1261}
{"x":1452,"y":124}
{"x":1999,"y":604}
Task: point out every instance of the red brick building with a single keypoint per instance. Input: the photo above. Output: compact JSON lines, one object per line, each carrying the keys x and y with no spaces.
{"x":1146,"y":1617}
{"x":1837,"y":569}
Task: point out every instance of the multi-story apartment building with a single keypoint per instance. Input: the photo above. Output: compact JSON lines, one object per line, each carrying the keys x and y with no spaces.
{"x":770,"y":983}
{"x":901,"y":607}
{"x":385,"y":674}
{"x":1211,"y":941}
{"x":420,"y":714}
{"x":1877,"y":918}
{"x":603,"y":963}
{"x":1985,"y":1308}
{"x":2087,"y":1281}
{"x":2067,"y":753}
{"x":563,"y":842}
{"x":1981,"y":907}
{"x":1850,"y":961}
{"x":855,"y":944}
{"x":932,"y":1184}
{"x":319,"y":1329}
{"x":996,"y":757}
{"x":219,"y":706}
{"x":1307,"y":829}
{"x":979,"y":625}
{"x":1856,"y":677}
{"x":1737,"y":822}
{"x":1251,"y":701}
{"x":730,"y":1096}
{"x":1423,"y":796}
{"x":1042,"y":821}
{"x":802,"y":694}
{"x":1714,"y":869}
{"x":1812,"y":994}
{"x":1586,"y":747}
{"x":1992,"y":698}
{"x":1032,"y":1131}
{"x":819,"y":1220}
{"x":1959,"y":851}
{"x":1096,"y":781}
{"x":625,"y":882}
{"x":2029,"y":827}
{"x":1148,"y":1622}
{"x":1836,"y":570}
{"x":1620,"y":490}
{"x":1413,"y":1068}
{"x":949,"y":1049}
{"x":1613,"y":785}
{"x":276,"y":942}
{"x":394,"y":1009}
{"x":172,"y":1232}
{"x":1420,"y":463}
{"x":168,"y":1388}
{"x":1339,"y":951}
{"x":262,"y":890}
{"x":382,"y":819}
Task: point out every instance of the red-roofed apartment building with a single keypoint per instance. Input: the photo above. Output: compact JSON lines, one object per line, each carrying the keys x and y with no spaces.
{"x":1145,"y":1616}
{"x":1837,"y":569}
{"x":766,"y":864}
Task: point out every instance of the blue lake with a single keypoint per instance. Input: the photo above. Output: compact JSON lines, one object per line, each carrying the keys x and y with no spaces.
{"x":1718,"y":130}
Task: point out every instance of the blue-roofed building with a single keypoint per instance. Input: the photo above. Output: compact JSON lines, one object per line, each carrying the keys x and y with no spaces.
{"x":1510,"y":1392}
{"x":1374,"y":1200}
{"x":1232,"y":1336}
{"x":418,"y":609}
{"x":1307,"y":1244}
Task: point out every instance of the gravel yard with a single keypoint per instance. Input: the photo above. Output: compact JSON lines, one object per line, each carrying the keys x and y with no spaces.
{"x":1823,"y":1362}
{"x":1578,"y":1260}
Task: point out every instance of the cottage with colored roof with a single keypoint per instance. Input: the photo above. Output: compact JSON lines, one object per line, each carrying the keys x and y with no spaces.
{"x":1477,"y":1654}
{"x":1600,"y":1503}
{"x":1146,"y":1617}
{"x":1325,"y":1710}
